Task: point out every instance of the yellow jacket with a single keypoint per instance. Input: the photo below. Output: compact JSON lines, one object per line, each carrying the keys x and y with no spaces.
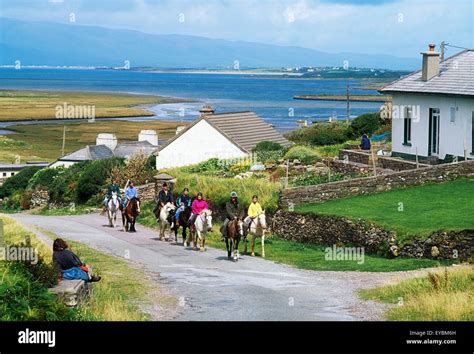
{"x":254,"y":209}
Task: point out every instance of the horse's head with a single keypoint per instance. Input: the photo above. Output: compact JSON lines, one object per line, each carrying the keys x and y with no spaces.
{"x":240,"y":227}
{"x":206,"y":214}
{"x":135,"y":203}
{"x":169,"y":207}
{"x":262,"y":220}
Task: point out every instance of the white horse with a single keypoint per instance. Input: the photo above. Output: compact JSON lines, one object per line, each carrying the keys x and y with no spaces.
{"x":112,"y":209}
{"x":201,"y":226}
{"x":257,"y":228}
{"x":164,"y":215}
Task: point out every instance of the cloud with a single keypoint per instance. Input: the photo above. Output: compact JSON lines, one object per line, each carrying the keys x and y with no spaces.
{"x":401,"y":27}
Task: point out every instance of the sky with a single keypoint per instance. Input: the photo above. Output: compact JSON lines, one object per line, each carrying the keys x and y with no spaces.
{"x":397,"y":27}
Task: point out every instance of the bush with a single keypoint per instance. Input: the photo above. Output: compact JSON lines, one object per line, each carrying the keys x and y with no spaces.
{"x":303,"y":153}
{"x":18,"y":181}
{"x":211,"y":166}
{"x":63,"y":186}
{"x":366,"y":124}
{"x":323,"y":133}
{"x":268,"y":151}
{"x":94,"y":177}
{"x":43,"y":178}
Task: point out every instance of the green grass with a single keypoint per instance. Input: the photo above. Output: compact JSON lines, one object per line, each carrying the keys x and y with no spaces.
{"x":43,"y":142}
{"x":409,"y":211}
{"x":443,"y":296}
{"x":25,"y":105}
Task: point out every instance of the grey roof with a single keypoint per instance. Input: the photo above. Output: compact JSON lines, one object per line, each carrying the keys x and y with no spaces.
{"x":244,"y":129}
{"x":92,"y":152}
{"x":456,"y":77}
{"x":128,"y":149}
{"x":164,"y":177}
{"x":18,"y":167}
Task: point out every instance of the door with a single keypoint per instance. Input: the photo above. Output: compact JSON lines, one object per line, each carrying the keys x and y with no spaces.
{"x":433,"y":136}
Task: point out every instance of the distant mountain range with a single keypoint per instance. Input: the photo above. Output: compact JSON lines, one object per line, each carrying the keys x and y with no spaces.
{"x":42,"y":43}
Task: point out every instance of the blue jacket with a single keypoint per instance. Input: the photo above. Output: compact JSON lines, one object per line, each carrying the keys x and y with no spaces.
{"x":131,"y":192}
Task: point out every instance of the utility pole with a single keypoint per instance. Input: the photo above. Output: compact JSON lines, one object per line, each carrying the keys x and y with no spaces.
{"x":443,"y":49}
{"x":64,"y":141}
{"x":348,"y":106}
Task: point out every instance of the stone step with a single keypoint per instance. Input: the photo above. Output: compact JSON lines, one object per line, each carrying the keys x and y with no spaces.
{"x":72,"y":292}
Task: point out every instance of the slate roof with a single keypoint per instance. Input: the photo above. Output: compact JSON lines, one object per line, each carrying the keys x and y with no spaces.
{"x":92,"y":152}
{"x":244,"y":129}
{"x":128,"y":149}
{"x":456,"y":77}
{"x":18,"y":167}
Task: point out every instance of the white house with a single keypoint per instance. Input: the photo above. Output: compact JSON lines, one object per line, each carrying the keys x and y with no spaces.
{"x":433,"y":109}
{"x":8,"y":170}
{"x":107,"y":146}
{"x":217,"y":135}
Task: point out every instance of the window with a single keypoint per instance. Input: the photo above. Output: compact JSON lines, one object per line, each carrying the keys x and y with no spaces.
{"x":407,"y":126}
{"x":4,"y":174}
{"x":452,"y":114}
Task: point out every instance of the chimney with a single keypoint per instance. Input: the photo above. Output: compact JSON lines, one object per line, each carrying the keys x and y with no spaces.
{"x":149,"y":135}
{"x":109,"y":140}
{"x":430,"y":64}
{"x":207,"y":110}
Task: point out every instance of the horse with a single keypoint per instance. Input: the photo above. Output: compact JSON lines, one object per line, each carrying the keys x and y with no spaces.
{"x":165,"y":218}
{"x":183,"y":222}
{"x":113,"y":206}
{"x":235,"y":231}
{"x":257,"y":228}
{"x":201,"y":226}
{"x":130,"y":213}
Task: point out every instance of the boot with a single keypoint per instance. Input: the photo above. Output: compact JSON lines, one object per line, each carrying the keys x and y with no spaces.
{"x":95,"y":278}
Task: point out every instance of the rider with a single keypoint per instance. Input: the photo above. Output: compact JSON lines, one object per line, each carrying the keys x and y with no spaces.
{"x":254,"y":210}
{"x":199,"y":204}
{"x":183,"y":201}
{"x":130,"y":193}
{"x":234,"y":211}
{"x":113,"y":187}
{"x":164,"y":197}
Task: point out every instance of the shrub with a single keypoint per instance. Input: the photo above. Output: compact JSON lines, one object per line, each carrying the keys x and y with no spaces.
{"x":94,"y":177}
{"x":268,"y":151}
{"x":18,"y":181}
{"x":43,"y":178}
{"x":303,"y":153}
{"x":63,"y":186}
{"x":211,"y":166}
{"x":366,"y":124}
{"x":322,"y":133}
{"x":136,"y":170}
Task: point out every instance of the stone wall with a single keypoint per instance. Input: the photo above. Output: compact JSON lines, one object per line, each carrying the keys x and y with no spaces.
{"x":330,"y":230}
{"x":397,"y":164}
{"x":39,"y":199}
{"x":360,"y":186}
{"x":147,"y":192}
{"x":358,"y":156}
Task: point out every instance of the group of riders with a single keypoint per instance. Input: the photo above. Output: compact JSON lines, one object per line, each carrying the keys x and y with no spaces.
{"x":233,"y":209}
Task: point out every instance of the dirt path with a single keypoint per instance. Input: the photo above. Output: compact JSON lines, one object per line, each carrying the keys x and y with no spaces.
{"x":209,"y":287}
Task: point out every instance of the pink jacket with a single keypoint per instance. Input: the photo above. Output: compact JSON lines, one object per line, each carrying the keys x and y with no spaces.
{"x":198,"y":206}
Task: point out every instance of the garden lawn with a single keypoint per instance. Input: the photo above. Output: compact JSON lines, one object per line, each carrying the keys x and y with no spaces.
{"x":409,"y":211}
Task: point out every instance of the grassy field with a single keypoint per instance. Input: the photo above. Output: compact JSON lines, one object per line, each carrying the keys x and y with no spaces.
{"x":409,"y":211}
{"x":43,"y":142}
{"x":26,"y":105}
{"x":116,"y":298}
{"x":305,"y":256}
{"x":441,"y":296}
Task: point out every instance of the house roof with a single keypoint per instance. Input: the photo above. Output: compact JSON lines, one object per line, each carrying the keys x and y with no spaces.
{"x":128,"y":149}
{"x":18,"y":167}
{"x":92,"y":152}
{"x":244,"y":129}
{"x":456,"y":77}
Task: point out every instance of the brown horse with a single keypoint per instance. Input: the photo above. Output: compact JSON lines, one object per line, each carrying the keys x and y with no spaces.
{"x":130,"y":213}
{"x":235,"y":231}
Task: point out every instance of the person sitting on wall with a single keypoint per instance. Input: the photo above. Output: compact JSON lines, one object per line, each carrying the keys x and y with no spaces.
{"x":69,"y":265}
{"x":365,"y":142}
